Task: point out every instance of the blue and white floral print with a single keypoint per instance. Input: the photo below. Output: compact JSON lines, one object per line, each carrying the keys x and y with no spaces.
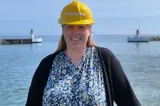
{"x":75,"y":85}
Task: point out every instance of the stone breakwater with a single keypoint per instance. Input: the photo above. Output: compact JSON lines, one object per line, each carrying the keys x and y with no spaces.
{"x":154,"y":38}
{"x":15,"y":41}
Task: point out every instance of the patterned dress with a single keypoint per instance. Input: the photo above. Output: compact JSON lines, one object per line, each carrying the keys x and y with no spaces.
{"x":75,"y":85}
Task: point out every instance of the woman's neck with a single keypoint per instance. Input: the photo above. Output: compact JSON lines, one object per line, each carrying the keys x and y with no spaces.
{"x":75,"y":54}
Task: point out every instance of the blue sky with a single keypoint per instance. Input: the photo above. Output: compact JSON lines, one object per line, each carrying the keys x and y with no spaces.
{"x":111,"y":16}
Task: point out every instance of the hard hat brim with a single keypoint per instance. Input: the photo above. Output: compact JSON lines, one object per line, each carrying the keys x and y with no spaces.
{"x":81,"y":22}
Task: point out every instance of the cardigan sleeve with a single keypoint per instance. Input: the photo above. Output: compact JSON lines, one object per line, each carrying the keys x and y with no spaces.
{"x":123,"y":92}
{"x":38,"y":82}
{"x":35,"y":90}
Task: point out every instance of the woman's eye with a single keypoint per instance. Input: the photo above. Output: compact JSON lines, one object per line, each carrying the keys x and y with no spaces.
{"x":70,"y":27}
{"x":82,"y":27}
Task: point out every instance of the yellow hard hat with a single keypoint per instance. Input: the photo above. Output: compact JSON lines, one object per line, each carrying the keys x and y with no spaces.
{"x":76,"y":13}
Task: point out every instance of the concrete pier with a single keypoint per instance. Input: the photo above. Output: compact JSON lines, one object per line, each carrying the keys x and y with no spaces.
{"x":15,"y":41}
{"x":31,"y":39}
{"x":154,"y":38}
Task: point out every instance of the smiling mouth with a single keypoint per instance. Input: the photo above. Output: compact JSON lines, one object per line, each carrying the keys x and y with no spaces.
{"x":76,"y":38}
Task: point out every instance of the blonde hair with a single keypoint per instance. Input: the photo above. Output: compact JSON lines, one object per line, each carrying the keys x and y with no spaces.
{"x":63,"y":46}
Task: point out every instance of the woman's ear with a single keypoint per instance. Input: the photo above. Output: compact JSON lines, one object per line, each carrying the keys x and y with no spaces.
{"x":90,"y":30}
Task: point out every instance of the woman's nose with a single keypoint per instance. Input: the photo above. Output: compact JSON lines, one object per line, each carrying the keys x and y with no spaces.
{"x":75,"y":29}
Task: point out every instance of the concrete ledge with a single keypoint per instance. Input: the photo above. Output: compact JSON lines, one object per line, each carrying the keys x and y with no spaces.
{"x":154,"y":38}
{"x":15,"y":41}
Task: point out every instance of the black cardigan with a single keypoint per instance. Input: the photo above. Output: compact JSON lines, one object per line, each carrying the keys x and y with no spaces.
{"x":117,"y":86}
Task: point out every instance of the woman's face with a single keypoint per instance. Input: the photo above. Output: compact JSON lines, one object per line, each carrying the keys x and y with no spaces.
{"x":76,"y":35}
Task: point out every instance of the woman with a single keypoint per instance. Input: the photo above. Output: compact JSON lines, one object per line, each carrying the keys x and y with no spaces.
{"x":79,"y":73}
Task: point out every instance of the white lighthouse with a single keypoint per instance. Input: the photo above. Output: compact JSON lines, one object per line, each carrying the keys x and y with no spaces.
{"x":137,"y":38}
{"x":32,"y":34}
{"x":35,"y":40}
